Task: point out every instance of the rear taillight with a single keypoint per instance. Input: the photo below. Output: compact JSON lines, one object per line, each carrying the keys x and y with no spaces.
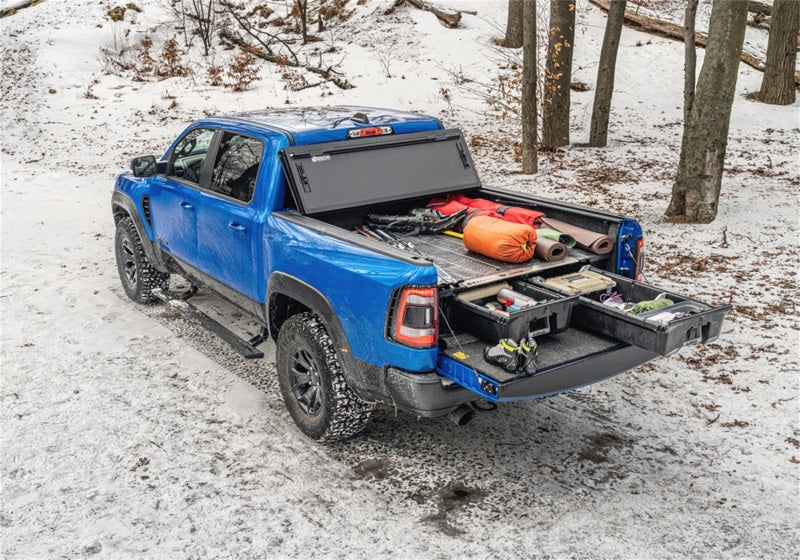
{"x":415,"y":320}
{"x":639,"y":259}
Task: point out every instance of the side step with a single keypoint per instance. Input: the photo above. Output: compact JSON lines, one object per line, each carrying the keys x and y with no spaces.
{"x":247,"y":348}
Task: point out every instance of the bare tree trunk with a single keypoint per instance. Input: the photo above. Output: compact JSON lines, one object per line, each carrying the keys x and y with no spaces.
{"x":777,"y":87}
{"x":598,"y":135}
{"x":695,"y":194}
{"x":302,"y":10}
{"x":513,"y":38}
{"x":690,"y":57}
{"x":555,"y":109}
{"x":203,"y":14}
{"x":529,"y":124}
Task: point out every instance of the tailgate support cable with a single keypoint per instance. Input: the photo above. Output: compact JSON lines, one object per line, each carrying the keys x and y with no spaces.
{"x":449,"y":328}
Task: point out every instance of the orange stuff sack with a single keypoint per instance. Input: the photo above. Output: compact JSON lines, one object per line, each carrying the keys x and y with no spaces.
{"x":498,"y":239}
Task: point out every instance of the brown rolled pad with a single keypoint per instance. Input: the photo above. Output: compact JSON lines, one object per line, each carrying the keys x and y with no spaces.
{"x":498,"y":239}
{"x":549,"y":250}
{"x":597,"y":243}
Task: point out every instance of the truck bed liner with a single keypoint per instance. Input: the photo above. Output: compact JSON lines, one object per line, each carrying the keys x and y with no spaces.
{"x":470,"y":268}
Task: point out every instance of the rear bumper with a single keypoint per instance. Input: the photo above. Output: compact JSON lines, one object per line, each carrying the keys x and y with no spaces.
{"x":425,"y":394}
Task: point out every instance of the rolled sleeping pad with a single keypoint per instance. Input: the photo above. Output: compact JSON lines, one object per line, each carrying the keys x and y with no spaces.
{"x":597,"y":243}
{"x":564,"y":238}
{"x":498,"y":239}
{"x":549,"y":250}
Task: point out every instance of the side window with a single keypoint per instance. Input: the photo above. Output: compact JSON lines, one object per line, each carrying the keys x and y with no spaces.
{"x":187,"y":158}
{"x":236,"y":167}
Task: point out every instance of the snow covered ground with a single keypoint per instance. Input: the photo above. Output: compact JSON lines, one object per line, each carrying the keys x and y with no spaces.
{"x":128,"y":432}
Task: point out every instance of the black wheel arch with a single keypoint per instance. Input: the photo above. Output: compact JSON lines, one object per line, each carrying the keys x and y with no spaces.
{"x":123,"y":206}
{"x":287,"y":296}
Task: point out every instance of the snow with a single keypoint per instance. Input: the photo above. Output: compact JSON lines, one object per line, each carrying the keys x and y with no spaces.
{"x":130,"y":432}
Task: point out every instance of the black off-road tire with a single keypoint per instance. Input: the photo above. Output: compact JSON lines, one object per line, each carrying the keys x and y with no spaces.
{"x":313,"y":386}
{"x":137,"y":275}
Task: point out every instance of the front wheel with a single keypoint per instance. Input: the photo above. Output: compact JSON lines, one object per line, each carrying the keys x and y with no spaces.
{"x":313,"y":386}
{"x":138,"y":276}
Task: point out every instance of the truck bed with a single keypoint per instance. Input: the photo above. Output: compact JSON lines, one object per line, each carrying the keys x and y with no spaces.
{"x":468,"y":268}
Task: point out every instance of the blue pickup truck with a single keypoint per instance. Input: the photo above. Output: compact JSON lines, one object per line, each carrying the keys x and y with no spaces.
{"x":263,"y":209}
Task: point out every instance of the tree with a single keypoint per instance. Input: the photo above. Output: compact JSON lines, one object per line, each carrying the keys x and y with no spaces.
{"x":558,"y":73}
{"x":202,"y":13}
{"x":689,"y":57}
{"x":529,"y":124}
{"x":302,"y":14}
{"x":513,"y":38}
{"x":777,"y":86}
{"x":695,"y":194}
{"x":598,"y":135}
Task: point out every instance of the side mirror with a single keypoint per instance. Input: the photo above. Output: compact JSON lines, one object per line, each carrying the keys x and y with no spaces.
{"x":147,"y":166}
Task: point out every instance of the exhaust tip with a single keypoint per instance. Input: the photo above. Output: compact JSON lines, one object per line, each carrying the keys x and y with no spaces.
{"x":462,"y":415}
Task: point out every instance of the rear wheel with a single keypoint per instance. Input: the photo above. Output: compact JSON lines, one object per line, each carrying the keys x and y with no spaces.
{"x":313,"y":386}
{"x":138,"y":276}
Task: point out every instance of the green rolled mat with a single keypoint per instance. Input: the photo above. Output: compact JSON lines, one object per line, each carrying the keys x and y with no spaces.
{"x":597,"y":243}
{"x":564,"y":238}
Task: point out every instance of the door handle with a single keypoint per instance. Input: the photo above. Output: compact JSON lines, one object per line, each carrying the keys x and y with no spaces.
{"x":186,"y":206}
{"x":238,"y":228}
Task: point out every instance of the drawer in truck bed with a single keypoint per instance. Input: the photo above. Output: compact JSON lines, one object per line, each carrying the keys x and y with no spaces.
{"x":468,"y":311}
{"x":663,"y":332}
{"x":600,"y":341}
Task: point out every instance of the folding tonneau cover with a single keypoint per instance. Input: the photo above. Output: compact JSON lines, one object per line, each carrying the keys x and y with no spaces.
{"x":365,"y":171}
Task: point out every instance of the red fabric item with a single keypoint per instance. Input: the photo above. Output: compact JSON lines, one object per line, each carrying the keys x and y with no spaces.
{"x":476,"y":203}
{"x":446,"y":206}
{"x":513,"y":214}
{"x":523,"y":216}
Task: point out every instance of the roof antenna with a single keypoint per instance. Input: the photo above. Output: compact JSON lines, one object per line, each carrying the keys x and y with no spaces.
{"x":360,"y":118}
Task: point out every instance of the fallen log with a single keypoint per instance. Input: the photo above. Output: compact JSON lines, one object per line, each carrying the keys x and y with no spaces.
{"x":328,"y":73}
{"x":11,"y":10}
{"x":670,"y":30}
{"x":759,"y":8}
{"x":450,"y":19}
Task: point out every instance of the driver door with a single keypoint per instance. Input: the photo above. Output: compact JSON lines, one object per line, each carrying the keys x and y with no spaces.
{"x":174,"y":196}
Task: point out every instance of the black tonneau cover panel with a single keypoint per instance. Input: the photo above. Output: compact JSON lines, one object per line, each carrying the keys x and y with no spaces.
{"x":365,"y":171}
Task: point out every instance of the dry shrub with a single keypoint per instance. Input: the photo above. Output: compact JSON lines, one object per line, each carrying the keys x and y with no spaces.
{"x":295,"y":81}
{"x":89,"y":93}
{"x":171,"y":61}
{"x":504,"y":96}
{"x":243,"y":71}
{"x":146,"y":64}
{"x":329,"y":9}
{"x":215,"y":74}
{"x":116,"y":13}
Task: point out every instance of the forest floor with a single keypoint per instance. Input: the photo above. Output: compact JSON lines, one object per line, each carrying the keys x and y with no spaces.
{"x":129,"y":432}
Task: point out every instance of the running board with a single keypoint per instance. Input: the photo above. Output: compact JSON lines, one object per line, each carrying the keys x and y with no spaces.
{"x":246,"y":348}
